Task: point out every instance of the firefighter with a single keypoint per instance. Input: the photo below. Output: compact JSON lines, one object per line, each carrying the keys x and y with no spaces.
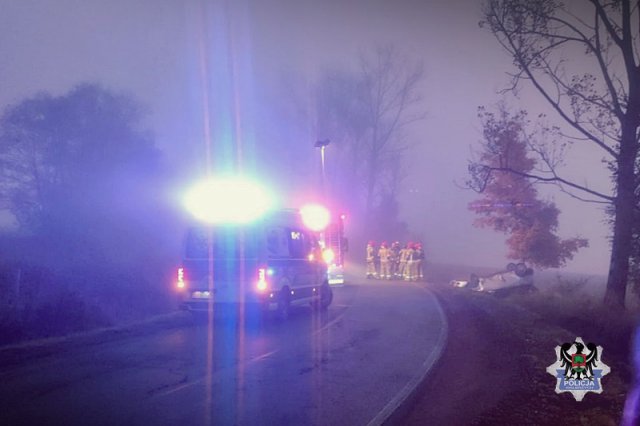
{"x":409,"y":271}
{"x":419,"y":255}
{"x":402,"y":264}
{"x":383,"y":255}
{"x":371,"y":260}
{"x":394,"y":259}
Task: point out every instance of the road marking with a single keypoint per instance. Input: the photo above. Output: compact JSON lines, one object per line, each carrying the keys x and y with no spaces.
{"x":330,"y":323}
{"x":202,"y":379}
{"x":412,"y":384}
{"x":248,"y":362}
{"x":183,"y":386}
{"x":261,"y":357}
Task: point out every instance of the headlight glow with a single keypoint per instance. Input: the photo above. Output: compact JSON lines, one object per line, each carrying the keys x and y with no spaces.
{"x":227,"y":200}
{"x":315,"y":216}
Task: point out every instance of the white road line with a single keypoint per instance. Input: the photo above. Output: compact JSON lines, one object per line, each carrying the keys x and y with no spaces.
{"x":183,"y":386}
{"x":248,"y":362}
{"x":410,"y":387}
{"x":330,"y":323}
{"x":261,"y":357}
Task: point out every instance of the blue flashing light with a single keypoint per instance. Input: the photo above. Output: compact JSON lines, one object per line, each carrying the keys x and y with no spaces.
{"x":227,"y":200}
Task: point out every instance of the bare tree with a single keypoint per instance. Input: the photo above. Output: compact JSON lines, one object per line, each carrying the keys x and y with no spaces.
{"x":367,"y":114}
{"x":599,"y":107}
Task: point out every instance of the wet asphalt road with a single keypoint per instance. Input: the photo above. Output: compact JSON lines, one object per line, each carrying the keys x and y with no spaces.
{"x":347,"y":366}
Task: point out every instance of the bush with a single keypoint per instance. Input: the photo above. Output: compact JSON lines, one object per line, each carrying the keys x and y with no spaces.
{"x":569,"y":287}
{"x":38,"y":301}
{"x":68,"y":313}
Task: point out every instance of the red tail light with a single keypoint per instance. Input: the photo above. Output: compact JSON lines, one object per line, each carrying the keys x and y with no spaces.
{"x":328,"y":256}
{"x":262,"y":279}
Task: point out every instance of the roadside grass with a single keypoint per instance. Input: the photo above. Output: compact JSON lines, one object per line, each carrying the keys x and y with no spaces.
{"x":563,"y":309}
{"x":569,"y":303}
{"x":41,"y":302}
{"x":528,"y":327}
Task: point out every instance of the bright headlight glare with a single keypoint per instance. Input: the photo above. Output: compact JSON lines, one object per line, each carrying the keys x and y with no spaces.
{"x":315,"y":216}
{"x":227,"y":200}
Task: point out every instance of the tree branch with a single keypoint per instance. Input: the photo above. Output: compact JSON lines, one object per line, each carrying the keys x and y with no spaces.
{"x":556,"y":105}
{"x":553,"y":179}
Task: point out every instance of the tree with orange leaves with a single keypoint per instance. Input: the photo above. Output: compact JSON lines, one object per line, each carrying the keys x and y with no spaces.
{"x":510,"y":203}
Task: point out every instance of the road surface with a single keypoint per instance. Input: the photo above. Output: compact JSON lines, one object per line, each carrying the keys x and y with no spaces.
{"x":353,"y":364}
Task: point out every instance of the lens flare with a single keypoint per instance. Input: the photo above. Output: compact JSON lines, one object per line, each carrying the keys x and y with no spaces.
{"x":315,"y":216}
{"x":328,"y":256}
{"x":227,"y":200}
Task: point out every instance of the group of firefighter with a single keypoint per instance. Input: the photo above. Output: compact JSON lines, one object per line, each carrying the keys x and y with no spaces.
{"x":395,"y":262}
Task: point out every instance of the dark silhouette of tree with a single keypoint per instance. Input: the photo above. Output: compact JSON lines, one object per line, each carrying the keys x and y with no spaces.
{"x":366,"y":113}
{"x":510,"y":203}
{"x":597,"y":96}
{"x":87,"y":187}
{"x":65,"y":159}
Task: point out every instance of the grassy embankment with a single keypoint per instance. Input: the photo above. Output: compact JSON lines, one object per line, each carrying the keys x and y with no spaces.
{"x":565,"y":307}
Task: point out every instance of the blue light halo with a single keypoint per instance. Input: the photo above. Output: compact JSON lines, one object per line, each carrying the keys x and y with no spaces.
{"x":229,"y":199}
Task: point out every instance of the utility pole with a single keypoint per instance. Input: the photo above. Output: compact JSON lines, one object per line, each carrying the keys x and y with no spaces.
{"x":322,"y":145}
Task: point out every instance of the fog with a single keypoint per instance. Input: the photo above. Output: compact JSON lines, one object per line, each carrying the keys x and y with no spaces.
{"x":248,"y":61}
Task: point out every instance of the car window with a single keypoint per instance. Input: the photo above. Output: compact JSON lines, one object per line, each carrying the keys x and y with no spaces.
{"x":298,"y":244}
{"x":277,"y":243}
{"x":225,"y":243}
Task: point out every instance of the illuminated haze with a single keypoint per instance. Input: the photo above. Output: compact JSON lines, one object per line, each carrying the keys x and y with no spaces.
{"x":159,"y":50}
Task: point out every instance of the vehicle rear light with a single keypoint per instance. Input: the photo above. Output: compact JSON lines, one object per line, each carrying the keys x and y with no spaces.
{"x":328,"y":256}
{"x":181,"y":282}
{"x":262,"y":279}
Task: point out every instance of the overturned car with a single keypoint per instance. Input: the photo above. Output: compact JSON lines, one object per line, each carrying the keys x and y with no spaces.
{"x":515,"y":278}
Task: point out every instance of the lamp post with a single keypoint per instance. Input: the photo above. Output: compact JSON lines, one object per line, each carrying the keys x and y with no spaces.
{"x":322,"y":145}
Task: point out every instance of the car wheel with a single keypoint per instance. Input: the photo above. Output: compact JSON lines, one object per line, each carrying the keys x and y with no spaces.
{"x":284,"y":304}
{"x":326,"y":296}
{"x":521,"y":269}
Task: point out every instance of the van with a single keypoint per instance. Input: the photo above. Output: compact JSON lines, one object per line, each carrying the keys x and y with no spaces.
{"x":270,"y":264}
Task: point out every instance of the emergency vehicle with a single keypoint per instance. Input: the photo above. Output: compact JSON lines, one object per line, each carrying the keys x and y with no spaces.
{"x":270,"y":263}
{"x":335,"y":246}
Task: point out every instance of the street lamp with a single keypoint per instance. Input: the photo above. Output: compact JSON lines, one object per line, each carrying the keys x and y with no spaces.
{"x":322,"y":145}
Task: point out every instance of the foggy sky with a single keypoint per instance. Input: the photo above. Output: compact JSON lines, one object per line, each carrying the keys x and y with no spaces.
{"x":153,"y":49}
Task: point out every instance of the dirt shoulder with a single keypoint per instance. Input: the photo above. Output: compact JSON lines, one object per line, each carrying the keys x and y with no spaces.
{"x":493,"y":370}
